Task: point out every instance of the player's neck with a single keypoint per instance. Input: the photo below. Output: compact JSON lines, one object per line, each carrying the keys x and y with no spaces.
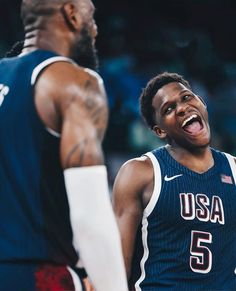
{"x":44,"y":39}
{"x":198,"y":161}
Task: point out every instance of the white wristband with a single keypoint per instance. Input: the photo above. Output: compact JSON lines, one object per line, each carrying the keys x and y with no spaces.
{"x":95,"y":232}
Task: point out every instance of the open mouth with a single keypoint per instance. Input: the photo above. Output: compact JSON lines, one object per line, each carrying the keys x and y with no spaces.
{"x":193,"y":124}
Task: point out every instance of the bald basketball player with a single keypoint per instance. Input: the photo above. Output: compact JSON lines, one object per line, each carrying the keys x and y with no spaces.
{"x":55,"y":212}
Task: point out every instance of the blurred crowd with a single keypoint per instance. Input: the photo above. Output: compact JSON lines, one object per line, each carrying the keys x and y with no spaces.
{"x":136,"y":41}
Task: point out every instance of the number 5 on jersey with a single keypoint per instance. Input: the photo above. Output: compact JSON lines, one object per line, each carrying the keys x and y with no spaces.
{"x":201,"y":256}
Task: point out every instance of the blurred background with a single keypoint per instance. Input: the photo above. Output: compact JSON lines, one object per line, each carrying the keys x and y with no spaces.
{"x":139,"y":39}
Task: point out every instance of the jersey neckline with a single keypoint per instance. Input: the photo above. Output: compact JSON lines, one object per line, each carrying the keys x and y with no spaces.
{"x":181,"y":169}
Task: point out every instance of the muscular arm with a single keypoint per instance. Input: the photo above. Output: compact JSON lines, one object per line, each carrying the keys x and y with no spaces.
{"x":84,"y":124}
{"x":77,"y":109}
{"x":84,"y":120}
{"x":131,"y":194}
{"x":72,"y":101}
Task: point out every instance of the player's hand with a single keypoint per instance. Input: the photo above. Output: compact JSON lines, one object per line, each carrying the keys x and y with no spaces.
{"x":88,"y":285}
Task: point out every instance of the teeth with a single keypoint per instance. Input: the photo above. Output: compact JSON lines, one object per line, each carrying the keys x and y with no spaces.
{"x":188,"y":119}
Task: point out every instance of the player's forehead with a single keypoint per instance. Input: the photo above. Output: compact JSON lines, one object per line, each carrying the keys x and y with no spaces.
{"x":170,"y":91}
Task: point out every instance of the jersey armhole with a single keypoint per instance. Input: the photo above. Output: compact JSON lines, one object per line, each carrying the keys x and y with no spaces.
{"x":157,"y":184}
{"x":35,"y":74}
{"x":232,"y":163}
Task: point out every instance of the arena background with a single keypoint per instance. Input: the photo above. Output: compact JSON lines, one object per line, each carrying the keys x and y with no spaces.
{"x":137,"y":40}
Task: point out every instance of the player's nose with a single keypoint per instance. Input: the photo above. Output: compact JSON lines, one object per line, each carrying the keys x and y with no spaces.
{"x":181,"y":109}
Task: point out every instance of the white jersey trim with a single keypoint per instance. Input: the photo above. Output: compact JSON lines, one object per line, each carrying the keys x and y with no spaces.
{"x":157,"y":184}
{"x":53,"y":132}
{"x":145,"y":253}
{"x":76,"y":279}
{"x":36,"y":72}
{"x":46,"y":63}
{"x":147,"y":211}
{"x":232,"y":164}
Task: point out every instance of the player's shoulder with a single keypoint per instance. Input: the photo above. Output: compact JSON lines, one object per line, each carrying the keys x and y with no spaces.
{"x":65,"y":72}
{"x":65,"y":80}
{"x":73,"y":72}
{"x":136,"y":164}
{"x":138,"y":169}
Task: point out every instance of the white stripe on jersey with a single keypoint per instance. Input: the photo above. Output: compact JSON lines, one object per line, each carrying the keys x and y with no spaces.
{"x":157,"y":184}
{"x":147,"y":211}
{"x":46,"y":63}
{"x":36,"y":72}
{"x":76,"y":279}
{"x":232,"y":163}
{"x":53,"y":132}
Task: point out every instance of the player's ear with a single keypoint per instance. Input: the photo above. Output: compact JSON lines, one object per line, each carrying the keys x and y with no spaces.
{"x":71,"y":16}
{"x":159,"y":132}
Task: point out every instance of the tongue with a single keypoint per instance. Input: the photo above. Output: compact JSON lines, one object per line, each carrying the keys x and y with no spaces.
{"x":193,"y":128}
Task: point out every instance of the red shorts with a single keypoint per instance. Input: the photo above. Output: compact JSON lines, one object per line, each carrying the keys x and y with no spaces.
{"x":40,"y":277}
{"x":56,"y":278}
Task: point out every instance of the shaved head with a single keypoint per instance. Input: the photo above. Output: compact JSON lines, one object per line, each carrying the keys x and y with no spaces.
{"x":79,"y":29}
{"x":32,"y":9}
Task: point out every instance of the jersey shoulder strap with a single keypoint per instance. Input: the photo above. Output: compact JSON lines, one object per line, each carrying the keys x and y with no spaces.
{"x":157,"y":184}
{"x":232,"y":163}
{"x":46,"y":63}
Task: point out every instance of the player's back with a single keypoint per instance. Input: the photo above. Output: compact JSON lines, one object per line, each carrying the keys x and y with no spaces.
{"x":188,"y":238}
{"x":34,"y":211}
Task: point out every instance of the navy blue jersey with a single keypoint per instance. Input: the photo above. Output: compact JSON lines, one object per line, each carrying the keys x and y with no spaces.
{"x":34,"y":211}
{"x":188,"y":232}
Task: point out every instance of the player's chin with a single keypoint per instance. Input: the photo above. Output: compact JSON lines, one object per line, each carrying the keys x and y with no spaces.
{"x":202,"y":142}
{"x":198,"y":141}
{"x":202,"y":139}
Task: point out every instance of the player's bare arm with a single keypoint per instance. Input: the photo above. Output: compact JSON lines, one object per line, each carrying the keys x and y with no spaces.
{"x":131,"y":193}
{"x":78,"y":112}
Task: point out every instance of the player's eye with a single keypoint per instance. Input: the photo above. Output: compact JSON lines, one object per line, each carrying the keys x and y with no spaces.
{"x":168,"y":109}
{"x":187,"y":97}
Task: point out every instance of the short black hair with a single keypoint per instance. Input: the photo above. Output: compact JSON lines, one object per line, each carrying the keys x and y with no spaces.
{"x":32,"y":9}
{"x":148,"y":93}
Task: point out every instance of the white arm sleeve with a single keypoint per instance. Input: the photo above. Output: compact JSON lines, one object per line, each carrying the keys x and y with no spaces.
{"x":95,"y":232}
